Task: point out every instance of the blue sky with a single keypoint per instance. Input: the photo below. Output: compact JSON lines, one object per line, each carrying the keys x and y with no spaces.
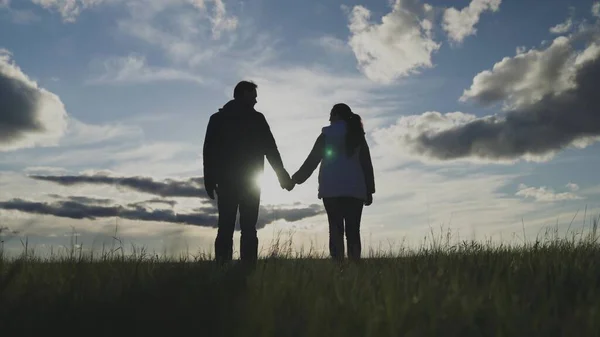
{"x":125,"y":89}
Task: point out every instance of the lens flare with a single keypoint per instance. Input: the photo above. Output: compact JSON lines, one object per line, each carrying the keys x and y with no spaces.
{"x":329,"y":153}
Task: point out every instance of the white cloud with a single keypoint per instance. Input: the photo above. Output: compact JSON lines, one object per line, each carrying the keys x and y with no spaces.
{"x":398,"y":139}
{"x":68,"y":9}
{"x":133,"y":69}
{"x":591,"y":191}
{"x":83,"y":145}
{"x":461,"y":24}
{"x":44,"y":170}
{"x":125,"y":155}
{"x":187,"y":37}
{"x":157,"y":151}
{"x":398,"y":46}
{"x":332,"y":44}
{"x":544,"y":194}
{"x":18,"y":16}
{"x":79,"y":133}
{"x":596,"y":9}
{"x":573,"y":187}
{"x":464,"y":193}
{"x":23,"y":17}
{"x":460,"y":198}
{"x":174,"y":167}
{"x":562,"y":28}
{"x":220,"y":21}
{"x":30,"y":116}
{"x":527,"y":77}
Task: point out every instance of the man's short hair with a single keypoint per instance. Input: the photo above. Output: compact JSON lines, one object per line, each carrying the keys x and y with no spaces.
{"x":242,"y":87}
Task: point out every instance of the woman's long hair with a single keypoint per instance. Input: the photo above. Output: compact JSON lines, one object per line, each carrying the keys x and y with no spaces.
{"x":355,"y":132}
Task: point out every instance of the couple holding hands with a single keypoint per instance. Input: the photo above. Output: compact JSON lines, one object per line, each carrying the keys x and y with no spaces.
{"x":238,"y":138}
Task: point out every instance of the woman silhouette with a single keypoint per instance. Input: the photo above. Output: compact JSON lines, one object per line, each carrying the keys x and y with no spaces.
{"x":346,"y":179}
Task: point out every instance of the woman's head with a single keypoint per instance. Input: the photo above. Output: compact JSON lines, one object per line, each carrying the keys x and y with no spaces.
{"x":355,"y":134}
{"x":339,"y":112}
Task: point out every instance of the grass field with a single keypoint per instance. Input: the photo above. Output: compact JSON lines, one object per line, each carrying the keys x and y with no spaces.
{"x":549,"y":288}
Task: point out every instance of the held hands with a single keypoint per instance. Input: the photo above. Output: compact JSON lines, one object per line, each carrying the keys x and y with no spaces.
{"x":293,"y":183}
{"x":289,"y":184}
{"x":286,"y":182}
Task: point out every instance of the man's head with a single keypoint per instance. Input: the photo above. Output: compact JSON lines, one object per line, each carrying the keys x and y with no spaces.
{"x":245,"y":92}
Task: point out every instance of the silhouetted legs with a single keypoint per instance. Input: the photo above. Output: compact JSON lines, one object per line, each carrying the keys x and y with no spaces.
{"x":249,"y":205}
{"x":344,"y":215}
{"x":353,"y":214}
{"x":333,"y":207}
{"x":228,"y":206}
{"x":230,"y":198}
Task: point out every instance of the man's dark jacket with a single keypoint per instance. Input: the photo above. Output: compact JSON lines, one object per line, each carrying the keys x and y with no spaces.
{"x":237,"y":139}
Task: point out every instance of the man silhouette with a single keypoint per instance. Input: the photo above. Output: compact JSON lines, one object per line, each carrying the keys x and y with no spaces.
{"x":237,"y":139}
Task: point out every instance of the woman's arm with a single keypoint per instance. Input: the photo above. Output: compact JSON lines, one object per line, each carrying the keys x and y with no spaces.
{"x":367,"y":167}
{"x":311,"y":163}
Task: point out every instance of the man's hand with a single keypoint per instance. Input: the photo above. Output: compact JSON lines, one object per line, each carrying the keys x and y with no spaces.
{"x":369,"y":200}
{"x":288,"y":184}
{"x":210,"y":190}
{"x":285,"y":181}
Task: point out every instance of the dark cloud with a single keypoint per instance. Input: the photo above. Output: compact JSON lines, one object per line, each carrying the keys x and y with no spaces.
{"x":66,"y":209}
{"x":569,"y":117}
{"x":76,"y":210}
{"x":29,"y":115}
{"x":84,"y":200}
{"x":170,"y":203}
{"x":78,"y":207}
{"x":527,"y":77}
{"x":103,"y":201}
{"x":270,"y":214}
{"x":193,"y":187}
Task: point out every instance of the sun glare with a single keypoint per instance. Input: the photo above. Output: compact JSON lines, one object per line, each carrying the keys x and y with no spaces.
{"x":271,"y":193}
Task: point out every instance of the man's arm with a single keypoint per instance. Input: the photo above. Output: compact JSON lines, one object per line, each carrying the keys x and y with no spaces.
{"x":273,"y":155}
{"x":209,"y":154}
{"x":311,"y":162}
